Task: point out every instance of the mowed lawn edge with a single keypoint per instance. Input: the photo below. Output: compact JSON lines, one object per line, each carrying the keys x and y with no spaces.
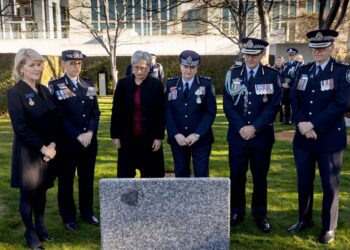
{"x":282,"y":195}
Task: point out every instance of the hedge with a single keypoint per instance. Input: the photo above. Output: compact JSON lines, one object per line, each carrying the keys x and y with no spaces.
{"x":214,"y":67}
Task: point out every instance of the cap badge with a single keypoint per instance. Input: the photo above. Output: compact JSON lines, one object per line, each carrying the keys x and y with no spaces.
{"x":189,"y":60}
{"x":319,"y":36}
{"x":250,"y":44}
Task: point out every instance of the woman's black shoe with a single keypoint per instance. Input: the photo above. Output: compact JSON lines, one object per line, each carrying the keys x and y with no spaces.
{"x":33,"y":241}
{"x":45,"y":236}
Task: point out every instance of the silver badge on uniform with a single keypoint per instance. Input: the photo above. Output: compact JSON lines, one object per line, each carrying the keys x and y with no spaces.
{"x":91,"y":92}
{"x":348,"y":76}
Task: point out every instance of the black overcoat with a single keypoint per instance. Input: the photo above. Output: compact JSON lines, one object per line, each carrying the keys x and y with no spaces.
{"x":152,"y":114}
{"x":34,"y":125}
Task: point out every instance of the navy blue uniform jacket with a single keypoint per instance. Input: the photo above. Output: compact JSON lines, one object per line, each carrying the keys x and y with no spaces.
{"x":289,"y":72}
{"x":191,"y":115}
{"x":77,"y":109}
{"x":323,"y":102}
{"x":258,"y":109}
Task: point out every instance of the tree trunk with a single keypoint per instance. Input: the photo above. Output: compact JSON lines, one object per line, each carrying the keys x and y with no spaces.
{"x":265,"y":27}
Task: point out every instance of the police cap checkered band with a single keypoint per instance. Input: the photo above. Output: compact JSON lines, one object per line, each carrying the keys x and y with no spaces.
{"x":72,"y":55}
{"x":321,"y":38}
{"x":292,"y":51}
{"x":253,"y":46}
{"x":189,"y":58}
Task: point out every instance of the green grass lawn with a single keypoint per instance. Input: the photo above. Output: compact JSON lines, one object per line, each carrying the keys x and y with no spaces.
{"x":282,"y":196}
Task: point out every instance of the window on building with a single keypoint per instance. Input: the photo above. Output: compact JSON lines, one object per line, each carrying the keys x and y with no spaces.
{"x":192,"y":23}
{"x":64,"y":21}
{"x":276,"y":16}
{"x":228,"y":22}
{"x":310,"y":6}
{"x":23,"y":8}
{"x":145,"y":17}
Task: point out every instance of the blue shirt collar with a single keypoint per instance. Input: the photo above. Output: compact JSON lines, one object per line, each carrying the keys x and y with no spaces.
{"x":249,"y":69}
{"x":189,"y":82}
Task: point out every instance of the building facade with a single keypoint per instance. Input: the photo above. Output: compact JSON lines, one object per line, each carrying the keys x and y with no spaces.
{"x":163,"y":27}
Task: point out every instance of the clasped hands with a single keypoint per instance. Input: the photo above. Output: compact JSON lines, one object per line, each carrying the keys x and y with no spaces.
{"x":307,"y":129}
{"x":85,"y":138}
{"x":155,"y":146}
{"x":247,"y":132}
{"x":186,"y":141}
{"x":49,"y":151}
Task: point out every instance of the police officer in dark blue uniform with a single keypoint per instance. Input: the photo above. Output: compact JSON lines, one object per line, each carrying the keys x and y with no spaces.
{"x":79,"y":113}
{"x":319,"y":101}
{"x":288,"y":80}
{"x":190,"y":113}
{"x":251,"y":100}
{"x":156,"y":69}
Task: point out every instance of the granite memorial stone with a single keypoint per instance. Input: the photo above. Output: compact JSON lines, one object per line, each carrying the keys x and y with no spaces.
{"x":169,"y":213}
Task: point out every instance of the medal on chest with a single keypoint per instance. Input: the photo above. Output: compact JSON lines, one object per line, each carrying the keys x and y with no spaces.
{"x":31,"y":102}
{"x":302,"y":83}
{"x":200,"y":91}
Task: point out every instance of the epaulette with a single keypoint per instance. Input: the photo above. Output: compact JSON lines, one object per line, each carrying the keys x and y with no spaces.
{"x":306,"y":65}
{"x":342,"y":63}
{"x":58,"y":80}
{"x":172,"y":78}
{"x":267,"y":67}
{"x":205,"y":77}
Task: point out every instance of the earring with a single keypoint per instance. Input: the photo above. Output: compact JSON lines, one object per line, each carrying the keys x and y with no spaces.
{"x":22,"y":74}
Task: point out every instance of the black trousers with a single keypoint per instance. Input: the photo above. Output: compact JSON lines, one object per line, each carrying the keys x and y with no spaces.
{"x":329,"y":165}
{"x":136,"y":153}
{"x":286,"y":105}
{"x":200,"y":153}
{"x":259,"y":160}
{"x":84,"y":162}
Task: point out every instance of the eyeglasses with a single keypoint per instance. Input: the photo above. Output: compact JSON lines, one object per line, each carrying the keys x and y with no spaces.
{"x":75,"y":63}
{"x":137,"y":68}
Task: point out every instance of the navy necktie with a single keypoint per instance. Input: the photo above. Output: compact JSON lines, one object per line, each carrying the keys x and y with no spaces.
{"x":251,"y":77}
{"x":187,"y":89}
{"x":319,"y":70}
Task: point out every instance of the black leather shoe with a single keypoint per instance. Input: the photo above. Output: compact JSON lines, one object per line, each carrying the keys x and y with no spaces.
{"x":263,"y":224}
{"x":299,"y":226}
{"x":33,"y":241}
{"x":72,"y":226}
{"x":327,"y":237}
{"x":92,"y":220}
{"x":44,"y":235}
{"x":236,"y":219}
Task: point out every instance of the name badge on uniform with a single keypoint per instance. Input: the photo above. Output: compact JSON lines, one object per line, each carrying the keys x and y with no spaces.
{"x":302,"y":82}
{"x":264,"y":89}
{"x":327,"y":85}
{"x":91,"y":92}
{"x":172,"y":94}
{"x":61,"y":85}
